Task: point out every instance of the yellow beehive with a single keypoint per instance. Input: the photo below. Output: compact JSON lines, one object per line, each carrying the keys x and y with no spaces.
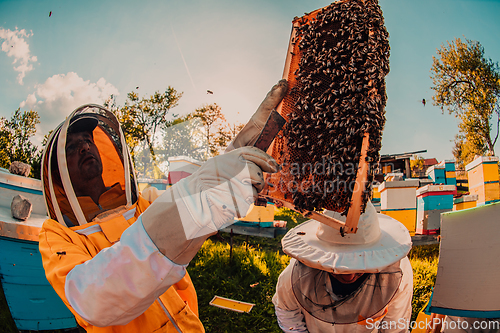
{"x":398,"y":200}
{"x":375,"y":194}
{"x":483,"y":179}
{"x":407,"y":217}
{"x":451,"y":174}
{"x":259,"y":214}
{"x":465,"y":202}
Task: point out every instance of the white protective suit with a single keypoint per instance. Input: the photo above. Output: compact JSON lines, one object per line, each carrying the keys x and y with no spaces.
{"x":394,"y":317}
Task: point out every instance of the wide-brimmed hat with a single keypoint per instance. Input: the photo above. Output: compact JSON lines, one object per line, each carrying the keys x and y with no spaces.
{"x":380,"y":241}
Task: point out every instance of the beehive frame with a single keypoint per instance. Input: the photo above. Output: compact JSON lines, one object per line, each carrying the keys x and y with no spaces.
{"x":347,"y":74}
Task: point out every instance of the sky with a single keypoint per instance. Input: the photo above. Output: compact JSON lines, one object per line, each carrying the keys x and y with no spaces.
{"x":57,"y":55}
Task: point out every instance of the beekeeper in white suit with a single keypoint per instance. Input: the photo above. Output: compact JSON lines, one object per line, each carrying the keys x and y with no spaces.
{"x":360,"y":282}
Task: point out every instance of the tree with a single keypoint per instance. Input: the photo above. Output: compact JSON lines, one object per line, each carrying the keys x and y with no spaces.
{"x":141,"y":120}
{"x":185,"y":137}
{"x":466,"y":148}
{"x":153,"y":133}
{"x":227,"y":134}
{"x":468,"y":86}
{"x":15,"y":144}
{"x":218,"y":133}
{"x":417,"y":166}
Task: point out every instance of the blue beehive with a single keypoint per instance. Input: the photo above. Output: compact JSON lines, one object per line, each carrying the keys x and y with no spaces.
{"x":437,"y":173}
{"x":432,"y":200}
{"x":449,"y":167}
{"x":33,"y":303}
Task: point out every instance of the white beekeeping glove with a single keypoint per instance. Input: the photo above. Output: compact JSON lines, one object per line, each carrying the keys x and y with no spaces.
{"x":249,"y":134}
{"x":180,"y":220}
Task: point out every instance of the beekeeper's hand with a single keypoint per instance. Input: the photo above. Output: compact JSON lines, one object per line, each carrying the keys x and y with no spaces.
{"x":180,"y":220}
{"x":250,"y":133}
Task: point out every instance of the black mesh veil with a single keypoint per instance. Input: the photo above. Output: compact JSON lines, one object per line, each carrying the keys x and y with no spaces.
{"x":313,"y":290}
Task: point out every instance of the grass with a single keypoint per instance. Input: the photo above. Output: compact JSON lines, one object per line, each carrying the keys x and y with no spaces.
{"x":424,"y":261}
{"x":251,"y":275}
{"x":214,"y":273}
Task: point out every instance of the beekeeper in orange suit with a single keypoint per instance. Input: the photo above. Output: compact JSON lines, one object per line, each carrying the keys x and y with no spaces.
{"x":117,"y":258}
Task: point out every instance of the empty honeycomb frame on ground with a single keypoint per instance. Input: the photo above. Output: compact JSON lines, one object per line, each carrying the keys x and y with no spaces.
{"x":336,"y":66}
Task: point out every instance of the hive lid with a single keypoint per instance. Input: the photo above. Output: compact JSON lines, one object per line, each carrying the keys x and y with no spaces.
{"x":433,"y":167}
{"x":466,"y":198}
{"x":399,"y":184}
{"x":436,"y":188}
{"x":480,"y":160}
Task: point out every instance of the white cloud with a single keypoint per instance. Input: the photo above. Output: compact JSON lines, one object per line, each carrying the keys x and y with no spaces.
{"x":60,"y":94}
{"x":15,"y":45}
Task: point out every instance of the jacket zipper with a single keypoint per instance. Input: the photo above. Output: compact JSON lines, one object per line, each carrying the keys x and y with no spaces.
{"x":169,"y":316}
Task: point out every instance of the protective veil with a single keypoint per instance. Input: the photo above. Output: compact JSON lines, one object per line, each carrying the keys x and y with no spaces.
{"x":313,"y":290}
{"x":62,"y":203}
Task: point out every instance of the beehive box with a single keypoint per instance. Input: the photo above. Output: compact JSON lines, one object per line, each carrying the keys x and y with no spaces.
{"x":437,"y":173}
{"x":432,"y":200}
{"x":483,"y":179}
{"x":259,"y":214}
{"x":449,"y":168}
{"x":336,"y":66}
{"x":465,"y":202}
{"x":398,"y":200}
{"x":375,"y":198}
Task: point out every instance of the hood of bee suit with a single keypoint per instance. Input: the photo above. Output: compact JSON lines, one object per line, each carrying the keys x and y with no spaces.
{"x":117,"y":164}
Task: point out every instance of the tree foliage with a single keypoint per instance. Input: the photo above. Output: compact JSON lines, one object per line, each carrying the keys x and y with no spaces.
{"x":213,"y":119}
{"x":153,"y":133}
{"x":141,"y":120}
{"x":218,"y":132}
{"x":185,"y":137}
{"x":467,"y":85}
{"x":466,"y":148}
{"x":417,"y":165}
{"x":15,"y":144}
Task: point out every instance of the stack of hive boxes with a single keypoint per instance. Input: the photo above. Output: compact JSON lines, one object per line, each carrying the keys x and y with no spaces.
{"x":449,"y":168}
{"x":432,"y":200}
{"x":376,"y":196}
{"x":483,"y":179}
{"x":398,"y":201}
{"x":465,"y":202}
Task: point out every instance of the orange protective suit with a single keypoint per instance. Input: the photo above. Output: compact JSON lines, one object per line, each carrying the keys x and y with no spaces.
{"x":98,"y":257}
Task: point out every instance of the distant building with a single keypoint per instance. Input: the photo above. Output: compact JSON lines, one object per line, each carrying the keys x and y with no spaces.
{"x":394,"y":163}
{"x":429,"y":162}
